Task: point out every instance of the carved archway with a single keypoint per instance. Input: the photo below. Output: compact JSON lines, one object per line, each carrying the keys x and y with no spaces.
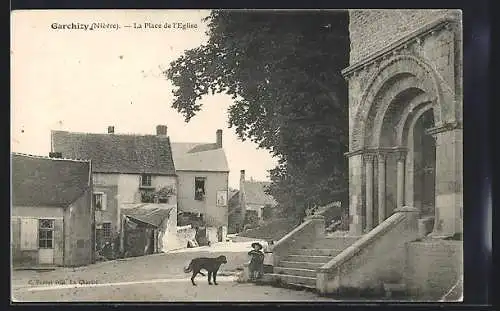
{"x":394,"y":77}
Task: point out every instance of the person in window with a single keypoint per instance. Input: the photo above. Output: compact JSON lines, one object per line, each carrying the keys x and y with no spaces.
{"x":199,"y":194}
{"x":256,"y":266}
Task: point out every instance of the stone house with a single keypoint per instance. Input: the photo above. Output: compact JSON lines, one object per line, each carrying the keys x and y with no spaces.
{"x":203,"y":173}
{"x":126,"y":168}
{"x":52,"y":219}
{"x":253,"y":201}
{"x":234,"y":219}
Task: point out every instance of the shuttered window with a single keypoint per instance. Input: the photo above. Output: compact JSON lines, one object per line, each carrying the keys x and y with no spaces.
{"x":29,"y":233}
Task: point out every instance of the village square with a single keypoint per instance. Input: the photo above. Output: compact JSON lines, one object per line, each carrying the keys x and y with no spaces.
{"x":373,"y":210}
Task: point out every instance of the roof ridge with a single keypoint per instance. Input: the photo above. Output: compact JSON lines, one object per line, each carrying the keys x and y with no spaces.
{"x":108,"y":134}
{"x":49,"y":158}
{"x":258,"y":181}
{"x":198,"y":143}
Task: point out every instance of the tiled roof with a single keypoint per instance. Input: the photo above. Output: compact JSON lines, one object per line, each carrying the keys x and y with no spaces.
{"x":115,"y":153}
{"x":232,"y":193}
{"x":150,"y":213}
{"x":199,"y":157}
{"x":42,"y":181}
{"x":255,"y":194}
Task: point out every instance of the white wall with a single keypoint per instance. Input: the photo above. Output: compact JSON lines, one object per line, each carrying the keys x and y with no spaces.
{"x":127,"y":191}
{"x":215,"y":181}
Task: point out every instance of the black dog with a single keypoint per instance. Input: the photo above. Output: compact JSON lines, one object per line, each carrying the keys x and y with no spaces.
{"x":212,"y":265}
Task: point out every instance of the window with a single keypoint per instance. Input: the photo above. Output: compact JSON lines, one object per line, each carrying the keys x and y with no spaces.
{"x":199,"y":188}
{"x":45,"y":233}
{"x":100,"y":201}
{"x":106,"y":230}
{"x":146,"y":180}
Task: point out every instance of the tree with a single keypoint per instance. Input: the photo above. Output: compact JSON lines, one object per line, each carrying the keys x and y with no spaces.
{"x":283,"y":71}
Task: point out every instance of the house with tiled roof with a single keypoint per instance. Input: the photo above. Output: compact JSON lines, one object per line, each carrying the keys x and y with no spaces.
{"x":203,"y":171}
{"x":127,"y":168}
{"x":251,"y":202}
{"x":52,"y":219}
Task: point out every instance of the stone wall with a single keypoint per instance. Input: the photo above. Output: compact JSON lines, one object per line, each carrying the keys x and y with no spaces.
{"x":372,"y":30}
{"x":302,"y":236}
{"x":376,"y":258}
{"x":433,"y":267}
{"x":78,"y":232}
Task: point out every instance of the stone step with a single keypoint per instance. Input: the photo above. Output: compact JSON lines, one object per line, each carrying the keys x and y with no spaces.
{"x":394,"y":288}
{"x":317,"y":252}
{"x":295,"y":271}
{"x":295,"y":280}
{"x":306,"y":258}
{"x":300,"y":265}
{"x":334,"y":242}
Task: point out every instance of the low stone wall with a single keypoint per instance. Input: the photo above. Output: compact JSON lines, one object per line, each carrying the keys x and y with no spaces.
{"x":302,"y":236}
{"x":376,"y":258}
{"x":433,"y":267}
{"x":273,"y":230}
{"x":185,"y":234}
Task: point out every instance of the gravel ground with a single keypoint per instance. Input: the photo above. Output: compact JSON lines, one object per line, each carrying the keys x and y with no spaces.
{"x":157,"y":266}
{"x":170,"y":292}
{"x":158,"y":277}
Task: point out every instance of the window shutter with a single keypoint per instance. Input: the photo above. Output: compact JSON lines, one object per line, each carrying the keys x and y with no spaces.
{"x":29,"y":233}
{"x":104,"y":201}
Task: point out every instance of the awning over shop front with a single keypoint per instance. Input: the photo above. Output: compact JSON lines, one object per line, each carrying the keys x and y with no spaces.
{"x":151,"y":214}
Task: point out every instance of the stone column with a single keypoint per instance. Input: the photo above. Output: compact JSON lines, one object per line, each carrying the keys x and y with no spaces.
{"x":449,"y":182}
{"x":401,"y":179}
{"x":355,"y":194}
{"x":381,"y":187}
{"x":369,"y":191}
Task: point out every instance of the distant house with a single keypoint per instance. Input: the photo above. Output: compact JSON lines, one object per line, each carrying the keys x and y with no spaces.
{"x":235,"y":220}
{"x":127,"y":168}
{"x":203,"y":172}
{"x":52,"y":219}
{"x":254,"y":199}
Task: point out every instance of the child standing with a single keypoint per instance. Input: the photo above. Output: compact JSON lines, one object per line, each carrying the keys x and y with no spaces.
{"x":256,"y":265}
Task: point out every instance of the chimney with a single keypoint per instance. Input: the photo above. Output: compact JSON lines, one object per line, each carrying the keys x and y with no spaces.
{"x":161,"y":130}
{"x":111,"y":129}
{"x":57,"y":155}
{"x":219,"y":138}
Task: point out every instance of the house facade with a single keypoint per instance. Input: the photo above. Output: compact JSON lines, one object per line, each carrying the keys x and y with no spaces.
{"x":253,"y":200}
{"x":203,"y":173}
{"x":52,"y":219}
{"x":126,"y":169}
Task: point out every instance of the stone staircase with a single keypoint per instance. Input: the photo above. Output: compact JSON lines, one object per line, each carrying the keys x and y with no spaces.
{"x":299,"y":267}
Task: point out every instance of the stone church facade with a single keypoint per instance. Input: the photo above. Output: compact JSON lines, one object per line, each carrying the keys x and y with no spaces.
{"x":405,"y":117}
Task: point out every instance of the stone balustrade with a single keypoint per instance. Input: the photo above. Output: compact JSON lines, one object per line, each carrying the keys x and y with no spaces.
{"x":302,"y":236}
{"x":377,"y":257}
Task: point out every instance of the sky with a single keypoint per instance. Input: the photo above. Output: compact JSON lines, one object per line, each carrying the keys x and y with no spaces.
{"x":86,"y":80}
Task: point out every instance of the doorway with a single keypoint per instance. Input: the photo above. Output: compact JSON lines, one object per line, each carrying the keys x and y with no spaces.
{"x":424,"y":147}
{"x":46,"y":241}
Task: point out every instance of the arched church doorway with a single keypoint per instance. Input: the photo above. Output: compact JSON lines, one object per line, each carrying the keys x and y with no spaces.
{"x":424,"y":165}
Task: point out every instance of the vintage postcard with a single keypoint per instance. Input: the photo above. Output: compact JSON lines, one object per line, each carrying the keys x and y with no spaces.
{"x":236,"y":155}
